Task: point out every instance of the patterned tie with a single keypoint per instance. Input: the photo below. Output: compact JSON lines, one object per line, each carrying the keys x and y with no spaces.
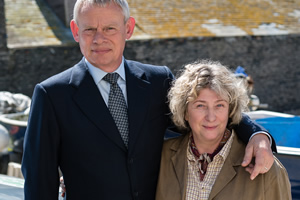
{"x":117,"y":106}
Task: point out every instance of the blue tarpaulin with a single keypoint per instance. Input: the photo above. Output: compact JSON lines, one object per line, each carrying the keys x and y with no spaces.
{"x":285,"y":130}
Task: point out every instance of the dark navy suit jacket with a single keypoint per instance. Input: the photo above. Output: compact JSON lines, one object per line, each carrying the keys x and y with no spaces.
{"x":70,"y":128}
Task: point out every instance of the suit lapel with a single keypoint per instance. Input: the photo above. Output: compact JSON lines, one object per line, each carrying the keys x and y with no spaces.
{"x":226,"y":175}
{"x":89,"y":100}
{"x":138,"y":100}
{"x":228,"y":171}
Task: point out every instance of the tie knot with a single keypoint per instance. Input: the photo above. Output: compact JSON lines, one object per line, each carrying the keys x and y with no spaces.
{"x":112,"y":78}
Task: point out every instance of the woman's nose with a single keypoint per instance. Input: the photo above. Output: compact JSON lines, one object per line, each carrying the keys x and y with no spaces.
{"x":210,"y":115}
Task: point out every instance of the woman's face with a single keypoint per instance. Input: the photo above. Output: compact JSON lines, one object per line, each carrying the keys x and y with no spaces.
{"x":208,"y":116}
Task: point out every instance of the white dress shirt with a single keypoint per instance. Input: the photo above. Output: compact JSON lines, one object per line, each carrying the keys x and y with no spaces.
{"x":104,"y":86}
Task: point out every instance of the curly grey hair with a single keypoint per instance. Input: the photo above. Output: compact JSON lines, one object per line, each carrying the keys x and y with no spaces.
{"x":206,"y":74}
{"x":102,"y":3}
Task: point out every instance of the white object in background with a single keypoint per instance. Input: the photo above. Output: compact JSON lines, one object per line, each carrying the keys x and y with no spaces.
{"x":260,"y":114}
{"x":254,"y":102}
{"x":13,"y":103}
{"x":14,"y":169}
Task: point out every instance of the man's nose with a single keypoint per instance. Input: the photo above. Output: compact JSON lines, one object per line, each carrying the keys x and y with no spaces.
{"x":99,"y":37}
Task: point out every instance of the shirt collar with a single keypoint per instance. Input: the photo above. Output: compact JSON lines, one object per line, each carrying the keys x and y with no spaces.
{"x":98,"y":74}
{"x":223,"y":153}
{"x":226,"y":148}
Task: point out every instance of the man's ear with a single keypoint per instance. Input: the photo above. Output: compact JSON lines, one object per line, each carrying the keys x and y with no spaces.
{"x":130,"y":27}
{"x":74,"y":29}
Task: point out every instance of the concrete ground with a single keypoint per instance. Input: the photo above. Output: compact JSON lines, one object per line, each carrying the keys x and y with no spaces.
{"x":11,"y":188}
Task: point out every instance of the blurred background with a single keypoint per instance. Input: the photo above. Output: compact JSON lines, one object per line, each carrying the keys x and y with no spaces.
{"x":258,"y":39}
{"x":260,"y":35}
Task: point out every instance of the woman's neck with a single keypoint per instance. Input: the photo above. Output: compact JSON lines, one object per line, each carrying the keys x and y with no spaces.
{"x":204,"y":146}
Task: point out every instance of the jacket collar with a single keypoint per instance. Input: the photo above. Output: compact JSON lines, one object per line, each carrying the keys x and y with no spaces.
{"x":229,"y":169}
{"x":138,"y":98}
{"x":180,"y":147}
{"x":90,"y":101}
{"x":227,"y":173}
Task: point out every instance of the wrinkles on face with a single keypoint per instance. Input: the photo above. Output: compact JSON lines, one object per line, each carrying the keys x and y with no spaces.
{"x":101,"y":33}
{"x":207,"y":116}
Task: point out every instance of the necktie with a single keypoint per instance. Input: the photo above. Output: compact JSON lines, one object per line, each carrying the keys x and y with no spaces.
{"x":117,"y":106}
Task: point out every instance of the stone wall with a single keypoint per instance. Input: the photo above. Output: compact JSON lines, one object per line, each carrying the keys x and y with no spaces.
{"x":69,"y":5}
{"x":63,"y":9}
{"x":2,"y":27}
{"x":58,"y":8}
{"x":4,"y":57}
{"x":272,"y":61}
{"x":30,"y":66}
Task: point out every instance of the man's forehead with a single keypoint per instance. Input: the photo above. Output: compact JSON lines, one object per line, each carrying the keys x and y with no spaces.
{"x":86,"y":9}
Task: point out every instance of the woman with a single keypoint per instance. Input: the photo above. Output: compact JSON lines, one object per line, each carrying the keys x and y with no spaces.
{"x":205,"y":163}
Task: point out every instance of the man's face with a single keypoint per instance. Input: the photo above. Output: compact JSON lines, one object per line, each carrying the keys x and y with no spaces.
{"x":101,"y":33}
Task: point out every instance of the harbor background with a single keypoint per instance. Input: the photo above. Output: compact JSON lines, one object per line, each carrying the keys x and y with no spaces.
{"x":263,"y":36}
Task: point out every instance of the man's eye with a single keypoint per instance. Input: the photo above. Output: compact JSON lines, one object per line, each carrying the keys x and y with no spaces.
{"x":110,"y":30}
{"x":220,"y":105}
{"x":89,"y":29}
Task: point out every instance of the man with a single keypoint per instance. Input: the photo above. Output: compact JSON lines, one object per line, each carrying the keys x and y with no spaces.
{"x":72,"y":125}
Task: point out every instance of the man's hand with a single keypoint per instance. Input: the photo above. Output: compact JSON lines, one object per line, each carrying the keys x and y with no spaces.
{"x":258,"y":147}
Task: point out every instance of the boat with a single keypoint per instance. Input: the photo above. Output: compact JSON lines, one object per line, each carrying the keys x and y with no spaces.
{"x":15,"y":125}
{"x":285,"y":129}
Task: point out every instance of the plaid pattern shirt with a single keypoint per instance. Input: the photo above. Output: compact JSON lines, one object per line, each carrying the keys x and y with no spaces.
{"x":200,"y":190}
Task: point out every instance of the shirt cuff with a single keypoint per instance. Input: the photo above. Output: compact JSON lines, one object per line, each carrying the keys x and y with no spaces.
{"x":262,"y":132}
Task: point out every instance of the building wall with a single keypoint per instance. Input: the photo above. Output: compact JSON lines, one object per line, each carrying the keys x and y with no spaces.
{"x":2,"y":27}
{"x":58,"y":7}
{"x":4,"y":57}
{"x":29,"y":66}
{"x":63,"y":9}
{"x":272,"y":61}
{"x":69,"y":5}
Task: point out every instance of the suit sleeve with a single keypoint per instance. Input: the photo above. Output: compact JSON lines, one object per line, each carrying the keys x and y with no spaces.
{"x":171,"y":130}
{"x":247,"y":127}
{"x":41,"y":144}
